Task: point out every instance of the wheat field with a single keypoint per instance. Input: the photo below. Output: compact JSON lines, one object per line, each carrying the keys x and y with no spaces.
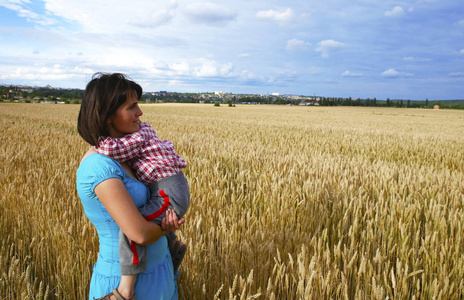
{"x":287,"y":202}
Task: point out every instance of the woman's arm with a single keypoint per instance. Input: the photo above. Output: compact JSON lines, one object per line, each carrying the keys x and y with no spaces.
{"x":116,"y":199}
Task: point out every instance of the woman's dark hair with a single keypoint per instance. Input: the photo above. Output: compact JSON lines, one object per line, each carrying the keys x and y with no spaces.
{"x":102,"y":97}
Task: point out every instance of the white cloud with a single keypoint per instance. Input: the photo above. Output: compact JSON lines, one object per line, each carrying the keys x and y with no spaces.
{"x":295,"y":44}
{"x":247,"y":75}
{"x":154,"y":19}
{"x":418,"y":59}
{"x":351,"y":74}
{"x":244,"y":55}
{"x":174,"y":82}
{"x":23,"y":12}
{"x":326,"y":47}
{"x":397,"y":11}
{"x":113,"y":16}
{"x":315,"y":70}
{"x":392,"y":73}
{"x":456,"y":74}
{"x":110,"y":35}
{"x":34,"y":73}
{"x":281,"y":17}
{"x":93,"y":16}
{"x":210,"y":68}
{"x":305,"y":15}
{"x":181,"y":68}
{"x":210,"y":13}
{"x":126,"y":58}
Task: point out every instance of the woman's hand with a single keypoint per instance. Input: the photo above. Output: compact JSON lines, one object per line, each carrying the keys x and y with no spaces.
{"x":170,"y":221}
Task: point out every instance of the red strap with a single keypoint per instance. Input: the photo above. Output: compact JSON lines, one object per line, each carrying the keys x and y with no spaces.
{"x":162,"y":209}
{"x":159,"y":212}
{"x":135,"y":259}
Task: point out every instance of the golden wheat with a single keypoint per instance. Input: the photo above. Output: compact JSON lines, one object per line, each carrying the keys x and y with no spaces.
{"x":287,"y":202}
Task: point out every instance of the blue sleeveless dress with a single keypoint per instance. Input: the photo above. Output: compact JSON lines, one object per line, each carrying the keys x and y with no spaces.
{"x":158,"y":282}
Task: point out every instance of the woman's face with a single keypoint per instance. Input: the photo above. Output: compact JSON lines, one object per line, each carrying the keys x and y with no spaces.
{"x":126,"y":119}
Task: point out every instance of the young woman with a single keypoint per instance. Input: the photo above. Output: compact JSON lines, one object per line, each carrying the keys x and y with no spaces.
{"x":111,"y":194}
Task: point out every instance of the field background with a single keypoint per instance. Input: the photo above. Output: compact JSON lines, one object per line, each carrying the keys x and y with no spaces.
{"x":287,"y":202}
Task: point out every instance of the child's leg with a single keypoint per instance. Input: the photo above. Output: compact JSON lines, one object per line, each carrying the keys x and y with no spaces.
{"x":125,"y":289}
{"x":171,"y":237}
{"x":132,"y":258}
{"x":177,"y":250}
{"x":175,"y":188}
{"x":126,"y":286}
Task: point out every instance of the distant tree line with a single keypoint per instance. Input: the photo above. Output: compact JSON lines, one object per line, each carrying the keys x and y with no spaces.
{"x":75,"y":95}
{"x":170,"y":97}
{"x":67,"y":94}
{"x":28,"y":94}
{"x":453,"y":104}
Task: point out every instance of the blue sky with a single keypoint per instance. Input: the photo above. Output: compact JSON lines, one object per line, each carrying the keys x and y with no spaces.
{"x":335,"y":48}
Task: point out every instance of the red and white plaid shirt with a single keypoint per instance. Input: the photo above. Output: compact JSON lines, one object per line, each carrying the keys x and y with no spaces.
{"x":151,"y":158}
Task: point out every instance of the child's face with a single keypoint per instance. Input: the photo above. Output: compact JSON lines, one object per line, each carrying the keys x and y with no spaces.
{"x":126,"y":119}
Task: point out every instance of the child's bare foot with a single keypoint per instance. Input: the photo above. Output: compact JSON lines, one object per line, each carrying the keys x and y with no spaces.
{"x":115,"y":295}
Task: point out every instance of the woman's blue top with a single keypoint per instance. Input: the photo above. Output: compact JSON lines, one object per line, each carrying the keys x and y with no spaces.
{"x":158,"y":282}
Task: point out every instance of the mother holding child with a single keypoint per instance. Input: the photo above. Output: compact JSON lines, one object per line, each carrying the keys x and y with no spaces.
{"x":133,"y":190}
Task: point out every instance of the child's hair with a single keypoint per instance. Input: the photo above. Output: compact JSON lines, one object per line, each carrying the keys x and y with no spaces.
{"x":102,"y":97}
